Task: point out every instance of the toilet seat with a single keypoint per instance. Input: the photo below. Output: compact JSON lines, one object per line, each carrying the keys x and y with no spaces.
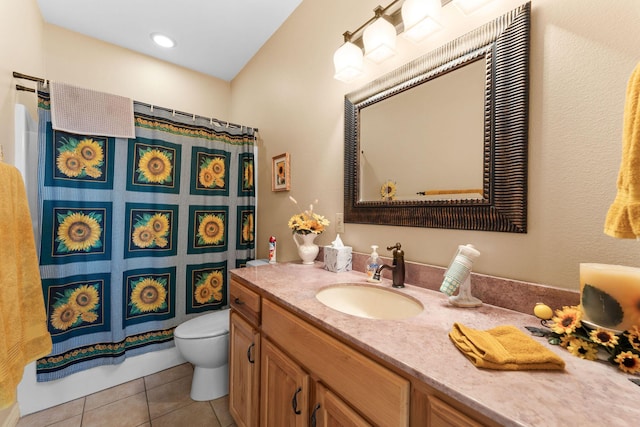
{"x":206,"y":326}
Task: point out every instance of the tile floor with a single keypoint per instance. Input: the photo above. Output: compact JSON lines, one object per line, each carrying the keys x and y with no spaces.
{"x":158,"y":400}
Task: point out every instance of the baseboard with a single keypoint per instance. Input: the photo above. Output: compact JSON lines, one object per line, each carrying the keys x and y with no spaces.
{"x":10,"y":416}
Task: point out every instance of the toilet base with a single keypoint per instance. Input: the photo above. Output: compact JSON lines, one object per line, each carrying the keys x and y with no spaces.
{"x":210,"y":383}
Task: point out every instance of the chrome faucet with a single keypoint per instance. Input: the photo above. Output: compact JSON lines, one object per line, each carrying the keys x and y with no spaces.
{"x":397,"y":267}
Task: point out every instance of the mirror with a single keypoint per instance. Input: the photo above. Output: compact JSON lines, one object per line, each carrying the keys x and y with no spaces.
{"x":442,"y":141}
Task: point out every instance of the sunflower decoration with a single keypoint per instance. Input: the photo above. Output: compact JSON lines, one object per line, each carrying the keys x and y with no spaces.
{"x":79,"y":232}
{"x":148,"y":294}
{"x":79,"y":159}
{"x":247,"y":228}
{"x":209,"y":287}
{"x":247,"y":176}
{"x":388,"y":190}
{"x":210,"y":230}
{"x":212,"y":172}
{"x":307,"y":221}
{"x":566,"y":329}
{"x":76,"y":306}
{"x":151,"y":230}
{"x":155,"y":166}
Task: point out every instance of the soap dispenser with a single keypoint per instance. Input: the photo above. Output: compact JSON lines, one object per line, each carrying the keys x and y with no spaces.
{"x":372,"y":262}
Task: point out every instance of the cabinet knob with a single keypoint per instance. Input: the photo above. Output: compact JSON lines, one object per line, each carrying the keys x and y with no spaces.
{"x":294,"y":402}
{"x":238,"y":301}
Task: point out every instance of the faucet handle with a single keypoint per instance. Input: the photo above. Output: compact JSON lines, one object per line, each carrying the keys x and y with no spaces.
{"x":397,"y":246}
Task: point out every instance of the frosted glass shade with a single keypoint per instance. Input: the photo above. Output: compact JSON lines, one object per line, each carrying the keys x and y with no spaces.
{"x":420,"y":18}
{"x":469,"y":6}
{"x":348,"y":61}
{"x":379,"y":40}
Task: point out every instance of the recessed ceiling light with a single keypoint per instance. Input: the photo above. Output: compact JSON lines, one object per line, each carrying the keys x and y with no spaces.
{"x":162,"y":40}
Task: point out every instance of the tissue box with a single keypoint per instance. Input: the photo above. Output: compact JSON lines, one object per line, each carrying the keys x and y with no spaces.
{"x":337,"y":259}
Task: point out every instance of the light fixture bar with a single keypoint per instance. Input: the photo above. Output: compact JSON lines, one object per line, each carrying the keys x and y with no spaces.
{"x":392,"y":13}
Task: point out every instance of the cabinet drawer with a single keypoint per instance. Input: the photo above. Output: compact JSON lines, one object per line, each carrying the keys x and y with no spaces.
{"x":373,"y":390}
{"x":245,"y":301}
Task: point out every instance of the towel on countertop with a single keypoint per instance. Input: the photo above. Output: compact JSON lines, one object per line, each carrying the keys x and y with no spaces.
{"x":504,"y":348}
{"x":623,"y":217}
{"x":23,"y":319}
{"x":89,"y":112}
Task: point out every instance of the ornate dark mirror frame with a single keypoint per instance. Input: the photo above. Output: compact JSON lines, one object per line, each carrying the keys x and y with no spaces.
{"x":504,"y":46}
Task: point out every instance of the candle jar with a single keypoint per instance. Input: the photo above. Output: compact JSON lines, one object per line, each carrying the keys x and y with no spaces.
{"x":610,"y":296}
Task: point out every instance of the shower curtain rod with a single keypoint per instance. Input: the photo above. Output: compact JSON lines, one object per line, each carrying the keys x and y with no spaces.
{"x":182,"y":113}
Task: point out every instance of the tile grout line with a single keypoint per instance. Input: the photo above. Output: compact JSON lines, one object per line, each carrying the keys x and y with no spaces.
{"x":84,"y":405}
{"x":146,"y":398}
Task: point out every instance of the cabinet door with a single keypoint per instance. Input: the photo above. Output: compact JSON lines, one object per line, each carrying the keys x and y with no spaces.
{"x":331,"y":411}
{"x":244,"y":371}
{"x":443,"y":415}
{"x":284,"y":392}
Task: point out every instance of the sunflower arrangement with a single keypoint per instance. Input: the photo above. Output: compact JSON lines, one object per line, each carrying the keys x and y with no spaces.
{"x":307,"y":221}
{"x":151,"y":231}
{"x":212,"y":171}
{"x":76,"y":306}
{"x":586,"y":342}
{"x":79,"y":159}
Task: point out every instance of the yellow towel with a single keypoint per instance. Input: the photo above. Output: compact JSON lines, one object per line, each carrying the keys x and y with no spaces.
{"x":23,"y":320}
{"x":505,"y":348}
{"x":623,"y":218}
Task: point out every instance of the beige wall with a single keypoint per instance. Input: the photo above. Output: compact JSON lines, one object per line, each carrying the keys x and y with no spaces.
{"x":87,"y":62}
{"x":582,"y":53}
{"x":20,"y":50}
{"x":30,"y":46}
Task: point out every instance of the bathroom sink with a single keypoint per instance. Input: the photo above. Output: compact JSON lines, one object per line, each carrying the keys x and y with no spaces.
{"x":371,"y":302}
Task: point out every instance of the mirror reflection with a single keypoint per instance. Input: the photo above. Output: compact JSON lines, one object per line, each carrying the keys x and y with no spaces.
{"x":426,"y":143}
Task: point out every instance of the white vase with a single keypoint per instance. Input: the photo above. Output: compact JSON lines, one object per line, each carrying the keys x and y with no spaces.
{"x":307,"y":250}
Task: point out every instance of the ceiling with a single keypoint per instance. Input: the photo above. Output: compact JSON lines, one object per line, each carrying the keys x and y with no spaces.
{"x":214,"y":37}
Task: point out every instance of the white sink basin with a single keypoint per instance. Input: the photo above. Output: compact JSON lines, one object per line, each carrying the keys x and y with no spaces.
{"x":371,"y":302}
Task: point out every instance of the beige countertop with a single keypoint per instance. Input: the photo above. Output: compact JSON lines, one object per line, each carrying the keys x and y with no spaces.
{"x":586,"y":393}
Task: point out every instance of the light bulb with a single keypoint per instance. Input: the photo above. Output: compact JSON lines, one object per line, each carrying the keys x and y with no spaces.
{"x":347,"y":61}
{"x":379,"y":40}
{"x":162,"y":40}
{"x":420,"y":18}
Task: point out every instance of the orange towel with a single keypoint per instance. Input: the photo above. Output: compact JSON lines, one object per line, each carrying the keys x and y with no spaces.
{"x":504,"y":348}
{"x":623,"y":218}
{"x":23,"y":320}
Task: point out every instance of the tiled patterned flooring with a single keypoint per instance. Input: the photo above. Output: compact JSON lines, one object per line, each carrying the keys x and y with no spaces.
{"x":158,"y":400}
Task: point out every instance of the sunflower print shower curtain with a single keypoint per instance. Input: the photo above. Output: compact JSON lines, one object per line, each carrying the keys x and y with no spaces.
{"x":138,"y":235}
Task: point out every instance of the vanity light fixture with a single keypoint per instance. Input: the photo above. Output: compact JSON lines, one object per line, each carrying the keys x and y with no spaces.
{"x":414,"y":19}
{"x":469,"y":6}
{"x":420,"y":18}
{"x":348,"y":61}
{"x":379,"y":38}
{"x":162,"y":40}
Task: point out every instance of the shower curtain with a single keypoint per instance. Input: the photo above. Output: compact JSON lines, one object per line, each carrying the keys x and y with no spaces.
{"x":138,"y":235}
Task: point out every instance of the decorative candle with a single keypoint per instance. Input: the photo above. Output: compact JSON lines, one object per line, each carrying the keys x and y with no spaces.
{"x":610,"y":295}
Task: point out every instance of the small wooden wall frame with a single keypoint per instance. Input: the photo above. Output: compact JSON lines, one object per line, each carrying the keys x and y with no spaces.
{"x":281,"y":172}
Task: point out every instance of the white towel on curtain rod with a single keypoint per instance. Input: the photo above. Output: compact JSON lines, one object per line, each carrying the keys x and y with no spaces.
{"x":90,"y":112}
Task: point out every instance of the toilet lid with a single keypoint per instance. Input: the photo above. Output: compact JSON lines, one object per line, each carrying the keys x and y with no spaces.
{"x":205,"y":326}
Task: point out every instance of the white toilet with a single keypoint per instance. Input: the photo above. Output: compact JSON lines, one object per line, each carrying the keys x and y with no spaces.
{"x":204,"y":342}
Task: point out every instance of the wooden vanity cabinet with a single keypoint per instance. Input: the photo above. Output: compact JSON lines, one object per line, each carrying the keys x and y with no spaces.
{"x":284,"y":371}
{"x":360,"y":388}
{"x":244,"y":355}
